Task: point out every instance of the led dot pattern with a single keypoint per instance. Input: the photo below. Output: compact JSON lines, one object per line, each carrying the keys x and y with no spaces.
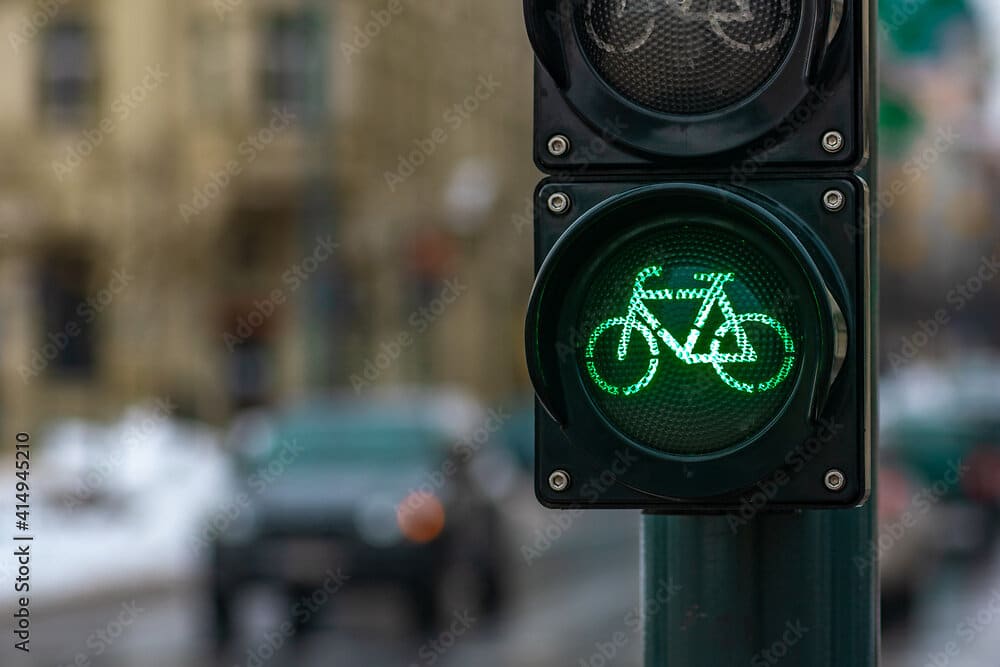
{"x":687,"y":57}
{"x":714,"y":338}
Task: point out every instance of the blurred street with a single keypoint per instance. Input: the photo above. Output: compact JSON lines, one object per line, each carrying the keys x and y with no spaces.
{"x":554,"y":619}
{"x":575,"y":594}
{"x":957,"y":622}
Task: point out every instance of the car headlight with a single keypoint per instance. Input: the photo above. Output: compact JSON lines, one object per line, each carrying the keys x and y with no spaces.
{"x":375,"y":520}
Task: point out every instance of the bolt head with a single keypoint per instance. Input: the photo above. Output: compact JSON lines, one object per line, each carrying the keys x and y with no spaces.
{"x":834,"y":200}
{"x":558,"y":145}
{"x":834,"y":480}
{"x":559,"y":480}
{"x":558,"y":202}
{"x":833,"y":142}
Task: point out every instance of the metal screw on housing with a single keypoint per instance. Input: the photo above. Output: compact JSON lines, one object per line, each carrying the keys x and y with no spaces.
{"x":833,"y":142}
{"x":559,"y":480}
{"x":558,"y":202}
{"x":834,"y":200}
{"x":558,"y":145}
{"x":834,"y":480}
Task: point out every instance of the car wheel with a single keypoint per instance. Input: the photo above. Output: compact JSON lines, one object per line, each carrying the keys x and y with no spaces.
{"x":493,"y":582}
{"x":426,"y":607}
{"x":897,"y":608}
{"x":222,"y":619}
{"x":493,"y":592}
{"x":222,"y":594}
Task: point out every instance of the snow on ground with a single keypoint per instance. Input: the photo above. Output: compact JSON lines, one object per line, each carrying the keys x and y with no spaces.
{"x":116,"y":507}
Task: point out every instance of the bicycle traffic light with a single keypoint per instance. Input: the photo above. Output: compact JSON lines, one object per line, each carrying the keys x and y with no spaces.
{"x":699,"y":334}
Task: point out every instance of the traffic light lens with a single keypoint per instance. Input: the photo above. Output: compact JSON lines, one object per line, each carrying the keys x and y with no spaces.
{"x":687,"y":57}
{"x":690,"y":337}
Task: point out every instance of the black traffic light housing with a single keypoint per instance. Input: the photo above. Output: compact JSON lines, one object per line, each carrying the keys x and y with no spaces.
{"x":820,"y":86}
{"x":793,"y":159}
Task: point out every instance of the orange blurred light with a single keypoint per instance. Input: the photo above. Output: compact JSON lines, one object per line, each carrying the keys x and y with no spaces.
{"x":420,"y":517}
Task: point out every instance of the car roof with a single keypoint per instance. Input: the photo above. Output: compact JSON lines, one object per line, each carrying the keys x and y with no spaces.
{"x":444,"y":413}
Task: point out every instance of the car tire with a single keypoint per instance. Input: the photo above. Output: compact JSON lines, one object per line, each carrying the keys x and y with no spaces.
{"x":222,"y":595}
{"x":493,"y":580}
{"x":897,"y":608}
{"x":493,"y":592}
{"x":222,"y":621}
{"x":426,"y":603}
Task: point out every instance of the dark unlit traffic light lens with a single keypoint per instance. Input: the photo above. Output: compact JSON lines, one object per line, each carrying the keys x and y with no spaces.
{"x":687,"y":57}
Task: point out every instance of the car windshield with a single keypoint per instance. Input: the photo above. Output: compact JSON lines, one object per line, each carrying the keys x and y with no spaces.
{"x":304,"y":443}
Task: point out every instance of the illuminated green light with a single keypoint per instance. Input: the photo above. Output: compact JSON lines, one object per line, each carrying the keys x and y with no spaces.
{"x":627,"y":326}
{"x":642,"y":320}
{"x":692,"y":335}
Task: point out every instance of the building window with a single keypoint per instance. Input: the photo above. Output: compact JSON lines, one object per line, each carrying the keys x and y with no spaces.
{"x":292,"y":77}
{"x":68,"y":72}
{"x":67,"y":320}
{"x":251,"y":372}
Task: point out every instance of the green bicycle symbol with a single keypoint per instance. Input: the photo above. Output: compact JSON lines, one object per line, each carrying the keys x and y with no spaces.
{"x":642,"y":321}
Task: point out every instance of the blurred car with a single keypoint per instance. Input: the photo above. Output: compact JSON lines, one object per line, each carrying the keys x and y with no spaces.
{"x":399,"y":488}
{"x":518,"y":433}
{"x":904,"y":544}
{"x":957,"y":462}
{"x":942,"y":424}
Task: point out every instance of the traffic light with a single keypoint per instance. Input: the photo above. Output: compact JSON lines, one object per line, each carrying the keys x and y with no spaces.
{"x":700,"y":332}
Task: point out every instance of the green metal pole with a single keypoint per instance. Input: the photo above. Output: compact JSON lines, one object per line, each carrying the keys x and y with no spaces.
{"x":796,"y":589}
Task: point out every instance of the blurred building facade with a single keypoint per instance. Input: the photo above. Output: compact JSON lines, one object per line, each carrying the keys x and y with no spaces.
{"x":236,"y":202}
{"x":938,"y":210}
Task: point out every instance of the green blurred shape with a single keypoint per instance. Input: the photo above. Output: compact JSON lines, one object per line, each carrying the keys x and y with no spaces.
{"x":915,"y":27}
{"x":932,"y":447}
{"x":899,"y":123}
